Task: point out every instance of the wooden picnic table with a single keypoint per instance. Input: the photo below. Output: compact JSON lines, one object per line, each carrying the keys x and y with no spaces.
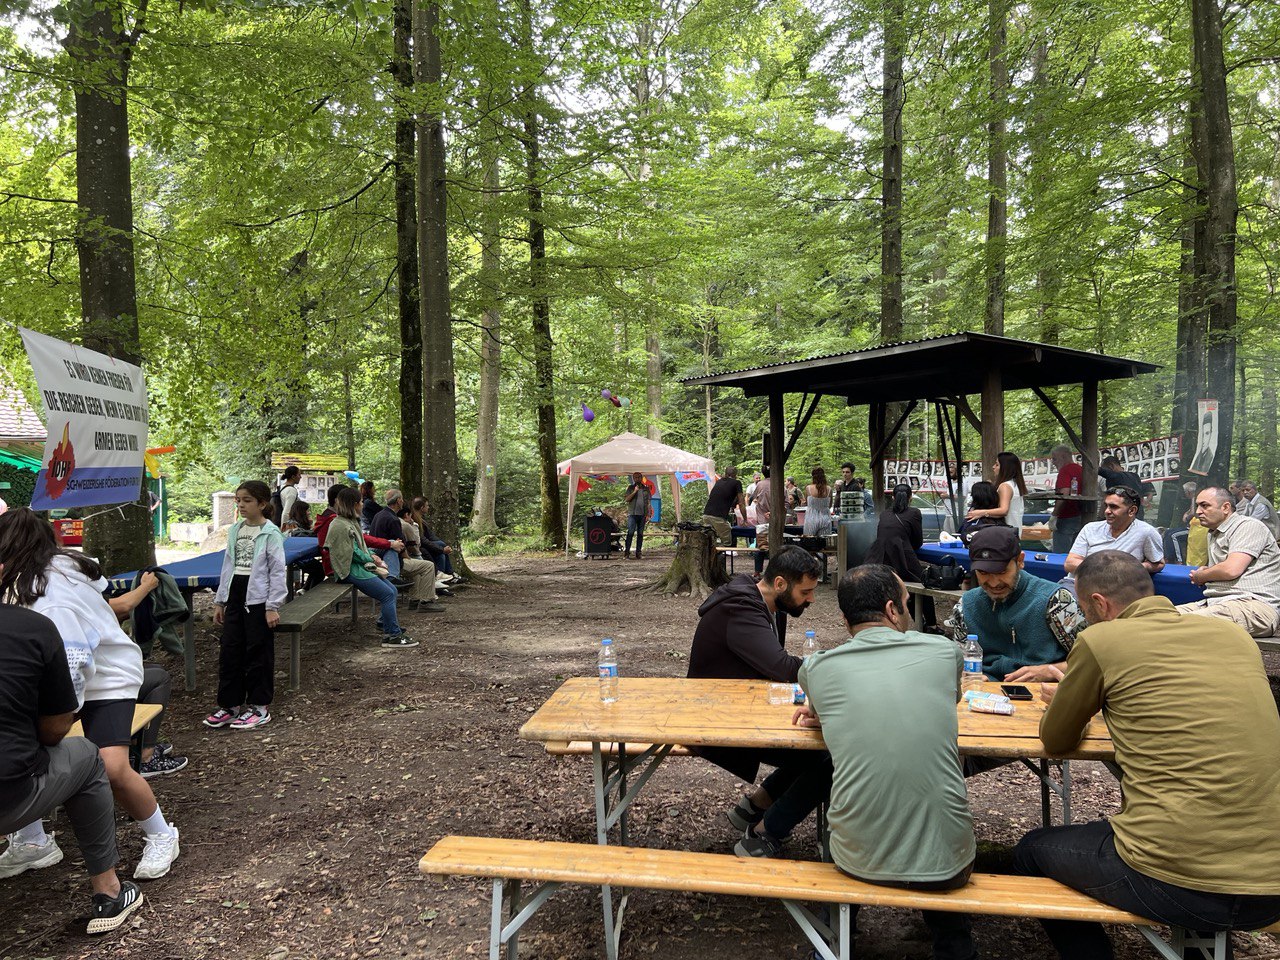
{"x":737,"y":713}
{"x":656,"y":714}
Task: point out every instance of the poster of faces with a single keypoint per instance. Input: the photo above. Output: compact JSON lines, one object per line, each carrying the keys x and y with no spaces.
{"x":314,"y":487}
{"x":1157,"y":459}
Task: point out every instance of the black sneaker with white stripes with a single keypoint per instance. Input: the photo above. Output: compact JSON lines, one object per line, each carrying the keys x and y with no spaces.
{"x":110,"y":912}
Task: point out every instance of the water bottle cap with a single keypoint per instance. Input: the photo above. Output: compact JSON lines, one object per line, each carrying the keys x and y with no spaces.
{"x":811,"y":633}
{"x":973,"y":637}
{"x":607,"y":640}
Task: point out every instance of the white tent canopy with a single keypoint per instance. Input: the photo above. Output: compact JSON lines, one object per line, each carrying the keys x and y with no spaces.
{"x":624,"y":455}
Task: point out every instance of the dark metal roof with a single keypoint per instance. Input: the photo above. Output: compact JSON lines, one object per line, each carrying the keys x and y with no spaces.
{"x":953,"y":364}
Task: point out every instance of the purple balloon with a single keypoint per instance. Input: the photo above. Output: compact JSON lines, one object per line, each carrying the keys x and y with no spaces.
{"x":587,"y":413}
{"x":605,"y":393}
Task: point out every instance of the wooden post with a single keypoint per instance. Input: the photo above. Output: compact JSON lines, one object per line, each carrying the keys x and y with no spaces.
{"x":992,"y":418}
{"x":875,"y":439}
{"x":777,"y":472}
{"x":1089,"y":437}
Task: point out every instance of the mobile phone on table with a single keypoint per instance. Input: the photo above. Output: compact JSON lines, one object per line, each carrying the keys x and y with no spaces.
{"x":1015,"y":691}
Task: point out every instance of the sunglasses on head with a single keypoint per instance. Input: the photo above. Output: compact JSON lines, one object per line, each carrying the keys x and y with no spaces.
{"x":1126,"y":494}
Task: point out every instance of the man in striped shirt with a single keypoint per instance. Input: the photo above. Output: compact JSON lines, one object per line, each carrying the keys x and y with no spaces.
{"x":1242,"y":581}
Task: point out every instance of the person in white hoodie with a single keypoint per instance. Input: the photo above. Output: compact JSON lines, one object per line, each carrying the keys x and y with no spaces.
{"x":106,"y":672}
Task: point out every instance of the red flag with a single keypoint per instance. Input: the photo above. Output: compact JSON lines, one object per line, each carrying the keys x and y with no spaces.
{"x":583,"y":485}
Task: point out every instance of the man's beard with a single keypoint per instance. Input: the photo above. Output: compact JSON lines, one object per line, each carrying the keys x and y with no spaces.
{"x":789,"y":606}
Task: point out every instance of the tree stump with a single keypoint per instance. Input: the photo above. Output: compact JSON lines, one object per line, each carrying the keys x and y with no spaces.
{"x":696,"y":570}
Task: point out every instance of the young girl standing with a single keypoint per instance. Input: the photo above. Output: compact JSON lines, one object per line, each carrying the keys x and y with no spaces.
{"x":247,"y":605}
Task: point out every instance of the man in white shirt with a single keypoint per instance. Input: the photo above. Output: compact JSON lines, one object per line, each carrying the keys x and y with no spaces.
{"x":1121,"y":530}
{"x":1254,"y":504}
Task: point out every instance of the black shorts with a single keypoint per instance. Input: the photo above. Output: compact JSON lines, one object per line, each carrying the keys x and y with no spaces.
{"x":106,"y":722}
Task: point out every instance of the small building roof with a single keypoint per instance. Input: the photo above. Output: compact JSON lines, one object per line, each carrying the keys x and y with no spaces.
{"x":950,"y":365}
{"x":18,"y":421}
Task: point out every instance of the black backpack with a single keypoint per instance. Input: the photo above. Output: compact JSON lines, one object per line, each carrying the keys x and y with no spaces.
{"x":277,"y":507}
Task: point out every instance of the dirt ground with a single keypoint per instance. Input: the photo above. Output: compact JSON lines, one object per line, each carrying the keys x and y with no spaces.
{"x":302,"y":839}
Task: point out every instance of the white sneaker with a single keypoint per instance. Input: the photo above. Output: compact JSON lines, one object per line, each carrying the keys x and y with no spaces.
{"x":20,"y":857}
{"x":157,"y":856}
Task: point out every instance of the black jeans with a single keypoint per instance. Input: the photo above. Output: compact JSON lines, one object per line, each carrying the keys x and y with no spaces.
{"x":952,"y":932}
{"x":800,"y":782}
{"x":1084,"y":858}
{"x":247,"y":659}
{"x":156,"y":687}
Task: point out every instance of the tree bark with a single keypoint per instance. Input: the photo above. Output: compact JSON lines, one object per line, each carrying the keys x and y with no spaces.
{"x":1242,"y":427}
{"x":891,"y":175}
{"x":483,"y":519}
{"x":1216,"y":255}
{"x":553,"y":523}
{"x":696,"y":570}
{"x":1268,"y":440}
{"x":440,"y":471}
{"x":100,"y":48}
{"x":997,"y":170}
{"x":1188,"y":377}
{"x":408,"y":299}
{"x":643,"y":89}
{"x":348,"y":416}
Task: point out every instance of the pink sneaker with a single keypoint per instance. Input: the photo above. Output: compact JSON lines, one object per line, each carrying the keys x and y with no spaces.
{"x":220,"y":718}
{"x":251,"y":719}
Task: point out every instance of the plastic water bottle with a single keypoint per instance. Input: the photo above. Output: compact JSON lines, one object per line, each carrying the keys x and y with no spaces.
{"x":972,"y":678}
{"x":810,"y":644}
{"x":608,"y":664}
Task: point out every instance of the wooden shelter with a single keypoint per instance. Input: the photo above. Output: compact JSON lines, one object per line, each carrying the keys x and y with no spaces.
{"x":945,"y":370}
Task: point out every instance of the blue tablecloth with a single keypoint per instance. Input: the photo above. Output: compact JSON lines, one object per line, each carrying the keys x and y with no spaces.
{"x":1172,"y":582}
{"x":202,"y":572}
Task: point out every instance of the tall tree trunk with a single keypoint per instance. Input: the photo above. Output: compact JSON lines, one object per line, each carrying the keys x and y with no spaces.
{"x":408,"y":299}
{"x":100,"y":48}
{"x":643,"y":90}
{"x":1242,"y":425}
{"x":1268,"y":440}
{"x":483,"y":519}
{"x":997,"y":169}
{"x":1216,"y":257}
{"x":348,"y":416}
{"x":891,"y":175}
{"x":1041,"y":163}
{"x":553,"y":523}
{"x":440,"y":471}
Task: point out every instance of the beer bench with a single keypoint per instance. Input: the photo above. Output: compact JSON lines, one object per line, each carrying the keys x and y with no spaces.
{"x":551,"y":864}
{"x":143,"y":714}
{"x":300,"y":612}
{"x":919,"y":590}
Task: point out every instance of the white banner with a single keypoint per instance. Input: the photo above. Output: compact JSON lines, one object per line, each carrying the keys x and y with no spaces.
{"x":96,"y":418}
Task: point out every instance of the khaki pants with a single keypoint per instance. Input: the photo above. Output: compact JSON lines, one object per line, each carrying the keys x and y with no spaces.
{"x":723,"y":532}
{"x":1256,"y":616}
{"x":423,"y":575}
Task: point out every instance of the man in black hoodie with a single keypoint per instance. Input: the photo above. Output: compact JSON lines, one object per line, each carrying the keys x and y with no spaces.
{"x":741,"y":636}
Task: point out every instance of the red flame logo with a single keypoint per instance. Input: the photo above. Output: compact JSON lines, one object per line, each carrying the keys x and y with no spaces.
{"x":61,"y":464}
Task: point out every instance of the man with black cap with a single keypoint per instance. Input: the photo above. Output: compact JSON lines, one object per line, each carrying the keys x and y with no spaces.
{"x":1025,"y":625}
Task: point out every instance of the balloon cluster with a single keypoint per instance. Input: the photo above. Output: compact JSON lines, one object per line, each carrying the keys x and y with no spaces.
{"x":588,"y":414}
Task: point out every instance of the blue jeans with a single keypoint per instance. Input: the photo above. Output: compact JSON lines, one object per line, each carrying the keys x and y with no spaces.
{"x":385,"y":595}
{"x":391,"y":559}
{"x":443,"y":561}
{"x":1065,"y":535}
{"x":1084,"y":857}
{"x":635,"y":528}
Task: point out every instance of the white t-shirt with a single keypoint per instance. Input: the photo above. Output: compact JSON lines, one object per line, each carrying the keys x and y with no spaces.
{"x":244,"y":547}
{"x":288,"y":497}
{"x":1140,"y":540}
{"x":1016,"y":507}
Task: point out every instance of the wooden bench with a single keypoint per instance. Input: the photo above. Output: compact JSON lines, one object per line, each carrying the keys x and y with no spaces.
{"x":509,"y":863}
{"x":919,"y":590}
{"x":143,"y":714}
{"x":584,"y":748}
{"x":299,"y":613}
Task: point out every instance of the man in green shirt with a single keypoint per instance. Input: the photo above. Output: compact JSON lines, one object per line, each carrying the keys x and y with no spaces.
{"x":1197,"y":737}
{"x":899,"y":814}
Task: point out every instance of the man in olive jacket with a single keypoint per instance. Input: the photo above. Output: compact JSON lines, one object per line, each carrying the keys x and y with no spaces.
{"x":741,"y":636}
